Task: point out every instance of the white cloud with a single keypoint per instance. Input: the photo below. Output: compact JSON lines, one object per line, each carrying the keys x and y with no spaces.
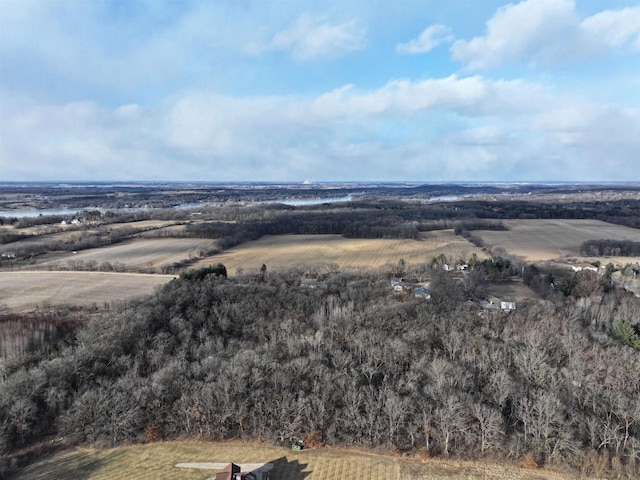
{"x":442,"y":129}
{"x":310,"y":37}
{"x":430,"y":38}
{"x":547,"y":31}
{"x":529,"y":31}
{"x":615,"y":28}
{"x":472,"y":96}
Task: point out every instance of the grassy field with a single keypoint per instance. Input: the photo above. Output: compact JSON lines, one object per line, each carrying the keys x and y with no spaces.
{"x":286,"y":251}
{"x":23,"y":291}
{"x":138,"y":253}
{"x":538,"y":240}
{"x":512,"y":291}
{"x":157,"y":461}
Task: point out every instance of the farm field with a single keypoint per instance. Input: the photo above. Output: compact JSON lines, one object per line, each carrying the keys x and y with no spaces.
{"x":137,"y":253}
{"x":156,"y":461}
{"x":539,"y":240}
{"x":47,"y":234}
{"x":287,"y":251}
{"x":44,"y":239}
{"x":146,"y":224}
{"x":512,"y":291}
{"x":23,"y":291}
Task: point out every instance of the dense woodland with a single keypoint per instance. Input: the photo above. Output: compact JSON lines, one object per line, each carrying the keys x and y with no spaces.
{"x":612,"y":248}
{"x":267,"y":357}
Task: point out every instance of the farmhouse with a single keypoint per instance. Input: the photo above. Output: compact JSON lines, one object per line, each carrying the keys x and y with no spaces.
{"x":507,"y":306}
{"x":495,"y":303}
{"x":232,"y":471}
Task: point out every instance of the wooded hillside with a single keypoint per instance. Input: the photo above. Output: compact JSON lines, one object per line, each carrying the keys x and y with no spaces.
{"x":268,"y":357}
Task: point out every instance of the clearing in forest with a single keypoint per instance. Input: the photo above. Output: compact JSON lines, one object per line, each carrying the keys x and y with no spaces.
{"x":539,"y":240}
{"x":156,"y":461}
{"x":287,"y":251}
{"x":22,"y":291}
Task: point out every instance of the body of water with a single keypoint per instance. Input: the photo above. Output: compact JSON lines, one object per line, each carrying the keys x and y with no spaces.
{"x":307,"y":201}
{"x":70,"y":212}
{"x":67,"y":212}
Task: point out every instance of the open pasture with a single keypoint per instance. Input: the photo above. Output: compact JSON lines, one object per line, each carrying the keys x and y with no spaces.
{"x":157,"y":461}
{"x":512,"y":291}
{"x":44,"y":235}
{"x":539,"y":240}
{"x":137,"y":253}
{"x":287,"y":251}
{"x":142,"y":224}
{"x":23,"y":291}
{"x":44,"y":239}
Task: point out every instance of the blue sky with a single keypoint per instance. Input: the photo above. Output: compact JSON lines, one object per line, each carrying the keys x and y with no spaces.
{"x":283,"y":90}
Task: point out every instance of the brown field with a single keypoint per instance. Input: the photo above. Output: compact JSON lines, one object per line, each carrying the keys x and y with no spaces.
{"x":512,"y":291}
{"x":44,"y":238}
{"x":156,"y":461}
{"x":22,"y":291}
{"x":139,"y":253}
{"x":146,"y":224}
{"x":287,"y":251}
{"x":57,"y":233}
{"x":539,"y":240}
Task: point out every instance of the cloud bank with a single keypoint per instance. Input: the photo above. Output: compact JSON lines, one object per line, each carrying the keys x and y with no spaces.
{"x":255,"y":90}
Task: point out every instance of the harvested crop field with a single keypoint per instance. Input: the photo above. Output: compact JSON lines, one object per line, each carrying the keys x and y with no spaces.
{"x":156,"y":461}
{"x":537,"y":240}
{"x":287,"y":251}
{"x":512,"y":291}
{"x":137,"y":253}
{"x":24,"y":291}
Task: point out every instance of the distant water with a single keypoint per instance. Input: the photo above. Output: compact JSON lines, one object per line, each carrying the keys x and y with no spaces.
{"x":453,"y":198}
{"x":67,"y":212}
{"x":444,"y":198}
{"x":37,"y":213}
{"x":308,"y":201}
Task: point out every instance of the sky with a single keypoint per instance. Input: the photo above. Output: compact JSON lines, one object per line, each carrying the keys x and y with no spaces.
{"x":287,"y":91}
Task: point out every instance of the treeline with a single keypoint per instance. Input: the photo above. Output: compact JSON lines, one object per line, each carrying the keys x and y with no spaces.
{"x":610,"y":248}
{"x":621,"y":212}
{"x":464,"y":229}
{"x":266,"y":357}
{"x":389,"y":222}
{"x":351,"y":224}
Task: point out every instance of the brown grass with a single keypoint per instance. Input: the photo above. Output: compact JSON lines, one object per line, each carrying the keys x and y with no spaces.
{"x":538,"y":240}
{"x":287,"y":251}
{"x":137,"y":253}
{"x":24,"y":291}
{"x":157,"y":461}
{"x":512,"y":291}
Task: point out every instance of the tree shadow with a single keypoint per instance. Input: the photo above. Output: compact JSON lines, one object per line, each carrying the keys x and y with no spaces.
{"x":74,"y":466}
{"x":289,"y":469}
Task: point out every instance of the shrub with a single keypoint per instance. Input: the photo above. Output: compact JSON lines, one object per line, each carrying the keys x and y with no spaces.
{"x":625,"y":333}
{"x":201,"y":273}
